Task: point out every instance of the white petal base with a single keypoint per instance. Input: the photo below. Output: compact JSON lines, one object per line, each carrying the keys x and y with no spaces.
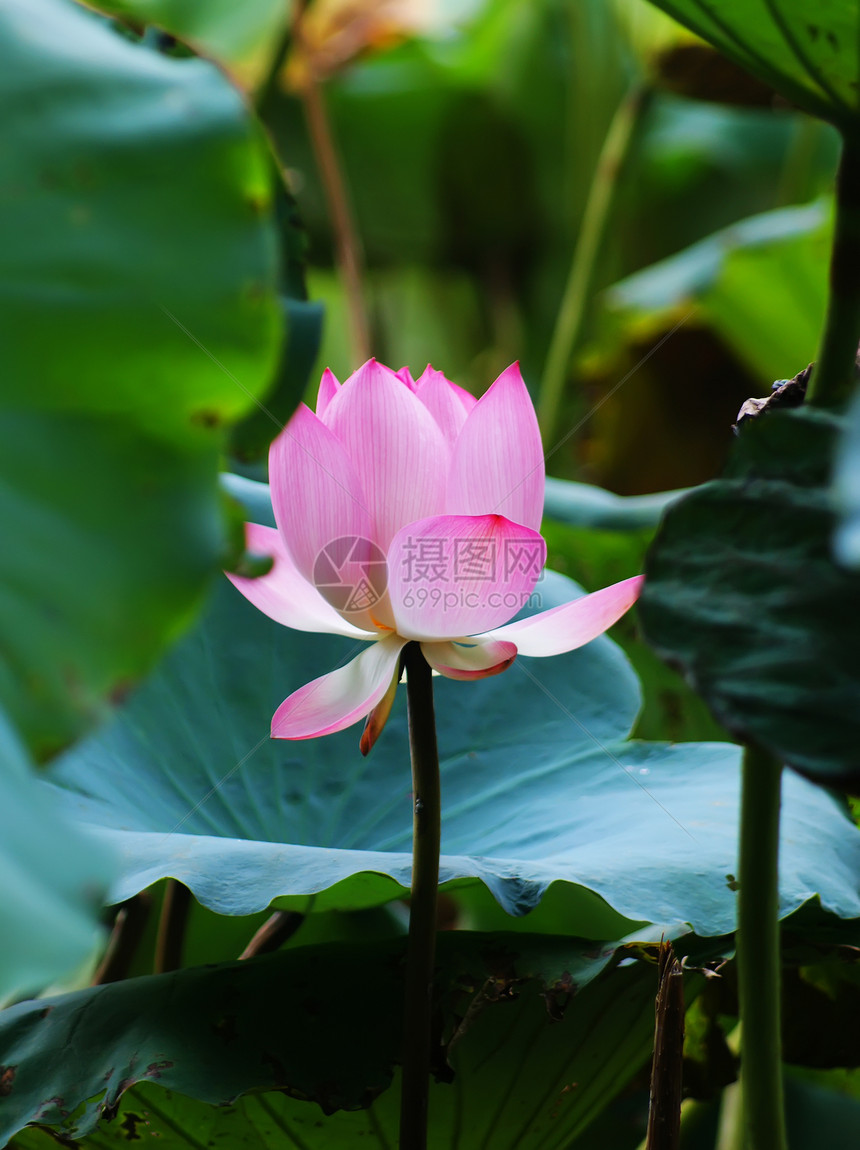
{"x":342,"y":697}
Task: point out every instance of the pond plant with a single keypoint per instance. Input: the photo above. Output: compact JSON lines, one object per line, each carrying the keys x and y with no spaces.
{"x":561,"y":889}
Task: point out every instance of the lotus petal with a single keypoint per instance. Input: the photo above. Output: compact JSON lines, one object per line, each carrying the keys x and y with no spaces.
{"x":284,"y":594}
{"x":454,"y":575}
{"x":572,"y":624}
{"x":469,"y":658}
{"x":498,"y":465}
{"x":340,"y":698}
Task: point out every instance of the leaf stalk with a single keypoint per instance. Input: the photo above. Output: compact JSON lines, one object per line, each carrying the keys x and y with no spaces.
{"x":595,"y":221}
{"x":835,"y":373}
{"x":758,"y":943}
{"x":171,"y":927}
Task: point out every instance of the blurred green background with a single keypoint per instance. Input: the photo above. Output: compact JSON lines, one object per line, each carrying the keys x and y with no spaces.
{"x":468,"y":153}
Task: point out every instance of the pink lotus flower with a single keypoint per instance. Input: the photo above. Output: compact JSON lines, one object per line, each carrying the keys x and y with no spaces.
{"x":409,"y":511}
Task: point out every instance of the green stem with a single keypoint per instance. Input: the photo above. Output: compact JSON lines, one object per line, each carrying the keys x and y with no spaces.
{"x":833,"y":377}
{"x":595,"y":218}
{"x":421,"y":949}
{"x":758,"y":942}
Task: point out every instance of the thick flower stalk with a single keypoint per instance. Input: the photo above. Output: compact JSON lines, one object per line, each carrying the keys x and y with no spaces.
{"x":409,"y":511}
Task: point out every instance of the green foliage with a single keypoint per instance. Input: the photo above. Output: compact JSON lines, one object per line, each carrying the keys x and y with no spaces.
{"x":743,"y":595}
{"x":139,"y":236}
{"x":138,"y":318}
{"x":554,"y":793}
{"x":111,"y":538}
{"x":537,"y":1014}
{"x":760,"y":285}
{"x":584,"y":505}
{"x":468,"y":196}
{"x":53,"y":878}
{"x":597,"y":557}
{"x":155,"y":318}
{"x":807,"y":51}
{"x":821,"y":1106}
{"x":218,"y":28}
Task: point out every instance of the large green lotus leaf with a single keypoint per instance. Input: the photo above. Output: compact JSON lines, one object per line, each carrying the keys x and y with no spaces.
{"x":539,"y":785}
{"x":137,"y":314}
{"x":542,"y":1014}
{"x":110,"y":538}
{"x":139,"y":259}
{"x":52,"y":877}
{"x":808,"y":50}
{"x":846,"y":483}
{"x":743,"y":594}
{"x":223,"y":29}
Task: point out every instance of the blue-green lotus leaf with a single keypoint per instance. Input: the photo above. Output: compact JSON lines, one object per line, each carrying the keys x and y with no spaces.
{"x":540,"y":785}
{"x":52,"y":875}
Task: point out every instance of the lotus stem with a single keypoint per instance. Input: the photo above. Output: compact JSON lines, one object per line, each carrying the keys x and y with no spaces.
{"x":421,"y":946}
{"x":834,"y":373}
{"x":274,"y":932}
{"x":758,"y":944}
{"x":347,"y":244}
{"x":595,"y":218}
{"x":349,"y":256}
{"x":695,"y":1113}
{"x":171,"y":927}
{"x":125,"y":937}
{"x":664,"y":1108}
